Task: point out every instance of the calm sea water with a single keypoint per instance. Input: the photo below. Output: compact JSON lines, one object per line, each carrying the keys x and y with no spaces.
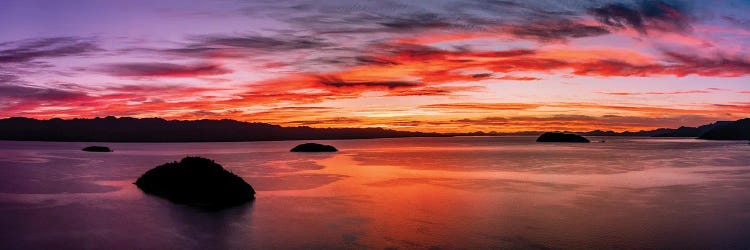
{"x":409,"y":193}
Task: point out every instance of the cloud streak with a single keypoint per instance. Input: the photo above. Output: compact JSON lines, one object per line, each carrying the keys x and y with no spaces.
{"x":685,"y":92}
{"x":644,"y":16}
{"x":164,"y":70}
{"x":339,"y":83}
{"x":556,"y":30}
{"x":33,"y":49}
{"x":27,"y":93}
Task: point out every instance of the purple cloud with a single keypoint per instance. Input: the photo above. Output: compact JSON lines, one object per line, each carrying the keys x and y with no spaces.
{"x":30,"y":50}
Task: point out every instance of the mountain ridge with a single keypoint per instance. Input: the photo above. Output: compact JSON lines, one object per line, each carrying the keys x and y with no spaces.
{"x":129,"y":129}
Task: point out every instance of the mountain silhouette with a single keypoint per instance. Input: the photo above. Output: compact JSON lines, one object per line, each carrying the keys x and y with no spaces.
{"x":692,"y":131}
{"x":126,"y":129}
{"x":737,"y":130}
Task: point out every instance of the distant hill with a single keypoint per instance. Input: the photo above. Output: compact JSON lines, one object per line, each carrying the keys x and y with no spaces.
{"x":737,"y":130}
{"x":125,"y":129}
{"x":692,"y":131}
{"x":589,"y":133}
{"x":720,"y":130}
{"x":628,"y":133}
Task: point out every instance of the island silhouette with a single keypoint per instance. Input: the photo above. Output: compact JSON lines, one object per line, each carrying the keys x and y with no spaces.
{"x":97,"y":149}
{"x":196,"y":181}
{"x":561,"y":137}
{"x":314,"y":147}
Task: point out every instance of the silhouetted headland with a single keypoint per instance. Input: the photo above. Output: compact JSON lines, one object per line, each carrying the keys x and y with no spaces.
{"x":560,"y":137}
{"x":97,"y":149}
{"x":737,"y":130}
{"x":314,"y":147}
{"x":196,"y":181}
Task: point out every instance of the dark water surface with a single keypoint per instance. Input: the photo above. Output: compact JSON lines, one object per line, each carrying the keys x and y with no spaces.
{"x":409,"y":193}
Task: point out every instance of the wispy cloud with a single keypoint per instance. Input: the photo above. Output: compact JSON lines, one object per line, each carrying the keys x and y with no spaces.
{"x":245,"y":45}
{"x":163,"y":70}
{"x":553,"y":30}
{"x":684,"y":92}
{"x":339,"y":83}
{"x":645,"y":15}
{"x":483,"y":106}
{"x":32,"y":49}
{"x":435,"y":91}
{"x":29,"y":93}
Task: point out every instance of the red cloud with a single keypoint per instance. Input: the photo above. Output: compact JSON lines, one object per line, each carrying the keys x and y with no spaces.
{"x":483,"y":106}
{"x":339,"y":83}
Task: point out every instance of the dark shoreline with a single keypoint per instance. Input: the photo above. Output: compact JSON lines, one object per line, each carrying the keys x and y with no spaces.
{"x":261,"y":140}
{"x":157,"y":130}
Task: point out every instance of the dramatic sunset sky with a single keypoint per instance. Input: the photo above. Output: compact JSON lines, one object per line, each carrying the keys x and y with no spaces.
{"x":449,"y":66}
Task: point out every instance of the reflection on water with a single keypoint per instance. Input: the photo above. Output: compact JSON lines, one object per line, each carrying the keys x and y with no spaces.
{"x":466,"y":192}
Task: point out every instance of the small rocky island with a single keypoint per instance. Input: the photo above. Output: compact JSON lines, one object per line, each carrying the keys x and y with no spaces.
{"x":196,"y":181}
{"x":97,"y":149}
{"x":560,"y":137}
{"x":314,"y":147}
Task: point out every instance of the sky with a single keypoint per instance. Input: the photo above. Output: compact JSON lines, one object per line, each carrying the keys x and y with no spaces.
{"x":436,"y":66}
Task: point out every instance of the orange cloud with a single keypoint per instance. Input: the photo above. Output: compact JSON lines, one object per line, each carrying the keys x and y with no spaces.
{"x":698,"y":91}
{"x":483,"y":106}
